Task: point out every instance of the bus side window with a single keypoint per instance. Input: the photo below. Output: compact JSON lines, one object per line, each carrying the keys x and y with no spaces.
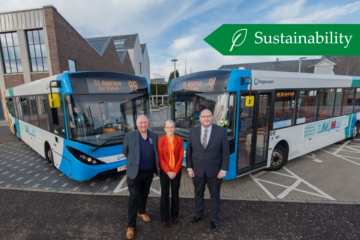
{"x":43,"y":113}
{"x":338,"y":98}
{"x":25,"y":109}
{"x":326,"y":103}
{"x":10,"y":102}
{"x":284,"y":109}
{"x":307,"y":106}
{"x":348,"y":103}
{"x":34,"y":116}
{"x":357,"y":100}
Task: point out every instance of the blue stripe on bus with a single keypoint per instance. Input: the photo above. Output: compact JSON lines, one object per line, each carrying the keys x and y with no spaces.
{"x":234,"y":83}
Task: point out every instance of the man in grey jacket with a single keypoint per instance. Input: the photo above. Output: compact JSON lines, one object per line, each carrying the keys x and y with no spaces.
{"x":140,"y":149}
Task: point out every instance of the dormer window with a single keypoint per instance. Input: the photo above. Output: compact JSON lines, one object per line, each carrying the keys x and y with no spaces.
{"x":119,"y":42}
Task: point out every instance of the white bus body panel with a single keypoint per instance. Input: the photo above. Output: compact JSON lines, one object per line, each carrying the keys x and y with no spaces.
{"x":268,"y":80}
{"x":300,"y":144}
{"x":36,"y":138}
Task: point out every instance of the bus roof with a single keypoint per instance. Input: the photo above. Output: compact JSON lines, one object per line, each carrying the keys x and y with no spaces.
{"x":231,"y":80}
{"x":42,"y":86}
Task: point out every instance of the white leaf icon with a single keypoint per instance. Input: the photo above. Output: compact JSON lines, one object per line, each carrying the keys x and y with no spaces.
{"x":240,"y":33}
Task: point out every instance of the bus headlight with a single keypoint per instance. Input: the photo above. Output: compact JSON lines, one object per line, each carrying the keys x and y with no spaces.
{"x":84,"y":158}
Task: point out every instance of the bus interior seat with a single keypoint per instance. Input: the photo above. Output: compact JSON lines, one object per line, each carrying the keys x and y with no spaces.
{"x":309,"y":114}
{"x":323,"y":114}
{"x":109,"y":130}
{"x":279,"y":114}
{"x":288,"y":114}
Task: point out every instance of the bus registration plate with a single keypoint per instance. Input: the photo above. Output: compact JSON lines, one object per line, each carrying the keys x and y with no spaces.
{"x":119,"y":169}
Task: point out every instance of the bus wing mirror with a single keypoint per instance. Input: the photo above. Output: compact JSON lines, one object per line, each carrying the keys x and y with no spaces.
{"x":249,"y":101}
{"x":54,"y":100}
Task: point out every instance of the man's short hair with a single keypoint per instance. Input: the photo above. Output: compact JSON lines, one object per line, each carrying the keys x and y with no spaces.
{"x":141,"y":116}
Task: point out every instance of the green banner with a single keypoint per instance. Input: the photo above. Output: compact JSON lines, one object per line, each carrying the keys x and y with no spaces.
{"x":286,"y":39}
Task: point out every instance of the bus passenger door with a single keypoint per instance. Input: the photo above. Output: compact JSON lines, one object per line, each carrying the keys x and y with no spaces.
{"x":56,"y":142}
{"x":253,"y":133}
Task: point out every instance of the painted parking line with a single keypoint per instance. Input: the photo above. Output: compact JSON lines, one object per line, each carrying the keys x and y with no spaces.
{"x":342,"y":149}
{"x":287,"y":189}
{"x":119,"y":187}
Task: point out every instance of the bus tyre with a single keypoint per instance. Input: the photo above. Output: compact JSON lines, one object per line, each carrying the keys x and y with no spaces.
{"x":49,"y":154}
{"x":355,"y":131}
{"x":278,"y":158}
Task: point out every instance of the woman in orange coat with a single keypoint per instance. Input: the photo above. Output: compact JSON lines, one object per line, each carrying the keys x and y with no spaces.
{"x":171,"y":153}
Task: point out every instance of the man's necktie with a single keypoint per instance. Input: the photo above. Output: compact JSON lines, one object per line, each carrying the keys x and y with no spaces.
{"x":205,"y":139}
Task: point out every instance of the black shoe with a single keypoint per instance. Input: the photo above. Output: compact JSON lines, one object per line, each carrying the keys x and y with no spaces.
{"x":194,"y":219}
{"x":214,"y":226}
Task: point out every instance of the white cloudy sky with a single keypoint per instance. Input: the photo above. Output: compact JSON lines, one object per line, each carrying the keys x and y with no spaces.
{"x":176,"y":29}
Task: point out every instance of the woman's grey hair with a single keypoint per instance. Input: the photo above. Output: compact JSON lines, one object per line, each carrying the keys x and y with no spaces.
{"x":169,"y":122}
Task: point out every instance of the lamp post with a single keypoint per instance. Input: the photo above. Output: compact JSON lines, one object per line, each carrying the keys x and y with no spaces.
{"x":156,"y":92}
{"x":300,"y":62}
{"x":174,"y":60}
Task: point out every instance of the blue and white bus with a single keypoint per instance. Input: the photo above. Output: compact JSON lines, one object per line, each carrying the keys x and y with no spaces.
{"x":77,"y":121}
{"x":270,"y":117}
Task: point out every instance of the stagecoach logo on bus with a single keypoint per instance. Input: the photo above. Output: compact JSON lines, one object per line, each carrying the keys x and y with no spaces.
{"x":286,"y":39}
{"x":260,"y":81}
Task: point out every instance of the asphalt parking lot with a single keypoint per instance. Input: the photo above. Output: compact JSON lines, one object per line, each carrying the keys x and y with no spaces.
{"x":43,"y":215}
{"x":327,"y":175}
{"x":315,"y":196}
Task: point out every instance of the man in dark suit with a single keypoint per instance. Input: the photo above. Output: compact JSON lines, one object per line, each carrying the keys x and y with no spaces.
{"x":140,"y":148}
{"x":207,"y":160}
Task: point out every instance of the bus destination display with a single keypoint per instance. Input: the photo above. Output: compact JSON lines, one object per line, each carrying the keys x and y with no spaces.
{"x":199,"y":85}
{"x":213,"y":81}
{"x":111,"y":86}
{"x":196,"y":85}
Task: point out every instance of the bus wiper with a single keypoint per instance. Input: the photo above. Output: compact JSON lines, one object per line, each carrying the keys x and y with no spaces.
{"x":110,"y":139}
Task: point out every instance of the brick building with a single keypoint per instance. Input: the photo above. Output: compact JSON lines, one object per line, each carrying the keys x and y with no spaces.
{"x":38,"y":43}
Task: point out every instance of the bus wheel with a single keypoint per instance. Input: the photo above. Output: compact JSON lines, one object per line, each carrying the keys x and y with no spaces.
{"x":49,"y":155}
{"x":355,"y":131}
{"x":278,"y":158}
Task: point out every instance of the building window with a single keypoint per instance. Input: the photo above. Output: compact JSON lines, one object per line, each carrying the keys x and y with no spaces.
{"x":119,"y":42}
{"x":37,"y":51}
{"x":140,"y":69}
{"x":72,"y":65}
{"x":10,"y":50}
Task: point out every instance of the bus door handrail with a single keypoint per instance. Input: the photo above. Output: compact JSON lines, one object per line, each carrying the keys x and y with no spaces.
{"x":58,"y":85}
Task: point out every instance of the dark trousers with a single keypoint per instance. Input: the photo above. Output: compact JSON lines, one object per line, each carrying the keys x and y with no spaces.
{"x":139,"y":190}
{"x":165,"y":182}
{"x":213,"y":185}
